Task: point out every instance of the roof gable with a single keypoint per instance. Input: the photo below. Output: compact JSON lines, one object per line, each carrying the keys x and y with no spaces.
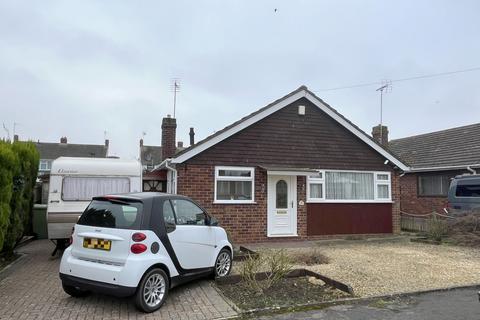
{"x":279,"y":104}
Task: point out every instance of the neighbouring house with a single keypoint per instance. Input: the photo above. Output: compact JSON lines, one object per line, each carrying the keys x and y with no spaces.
{"x":50,"y":151}
{"x":152,"y":156}
{"x":434,"y":159}
{"x":294,"y":169}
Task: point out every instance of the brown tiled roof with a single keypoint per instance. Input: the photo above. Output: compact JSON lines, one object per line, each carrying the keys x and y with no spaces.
{"x":303,"y":87}
{"x":51,"y":150}
{"x":452,"y":147}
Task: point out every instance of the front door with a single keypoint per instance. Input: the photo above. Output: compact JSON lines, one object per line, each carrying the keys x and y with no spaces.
{"x":282,"y":206}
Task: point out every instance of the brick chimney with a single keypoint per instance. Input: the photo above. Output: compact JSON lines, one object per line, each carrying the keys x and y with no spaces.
{"x":63,"y":140}
{"x":107,"y":143}
{"x":192,"y":137}
{"x":180,"y":144}
{"x":169,"y":127}
{"x":141,"y":142}
{"x":15,"y":138}
{"x":380,"y":134}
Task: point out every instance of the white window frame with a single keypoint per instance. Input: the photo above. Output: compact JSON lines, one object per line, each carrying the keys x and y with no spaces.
{"x":376,"y":182}
{"x":48,"y":164}
{"x":316,"y":180}
{"x":222,"y":178}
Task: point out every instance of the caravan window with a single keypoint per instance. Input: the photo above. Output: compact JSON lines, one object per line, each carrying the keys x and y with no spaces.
{"x":84,"y":188}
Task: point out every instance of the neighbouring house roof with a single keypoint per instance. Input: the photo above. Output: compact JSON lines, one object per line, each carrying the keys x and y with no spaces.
{"x":260,"y":114}
{"x":52,"y":151}
{"x":452,"y":148}
{"x":150,"y":155}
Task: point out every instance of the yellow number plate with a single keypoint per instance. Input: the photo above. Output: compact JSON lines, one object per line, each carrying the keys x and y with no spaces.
{"x":101,"y":244}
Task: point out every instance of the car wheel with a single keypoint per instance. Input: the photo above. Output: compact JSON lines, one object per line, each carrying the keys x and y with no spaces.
{"x":74,"y":291}
{"x":223,"y":264}
{"x":152,"y":290}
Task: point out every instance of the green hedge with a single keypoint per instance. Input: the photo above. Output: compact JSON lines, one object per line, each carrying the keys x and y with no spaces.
{"x":18,"y":174}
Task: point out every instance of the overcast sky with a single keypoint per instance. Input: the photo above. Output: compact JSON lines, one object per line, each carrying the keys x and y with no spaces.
{"x":78,"y":68}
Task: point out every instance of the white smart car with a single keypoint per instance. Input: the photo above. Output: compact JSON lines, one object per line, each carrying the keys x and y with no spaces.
{"x":143,"y":244}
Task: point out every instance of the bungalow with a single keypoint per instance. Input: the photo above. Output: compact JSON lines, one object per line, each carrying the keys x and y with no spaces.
{"x":295,"y":169}
{"x":434,"y":159}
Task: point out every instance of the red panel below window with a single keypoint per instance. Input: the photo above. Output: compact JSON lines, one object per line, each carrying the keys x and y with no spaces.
{"x":348,"y":218}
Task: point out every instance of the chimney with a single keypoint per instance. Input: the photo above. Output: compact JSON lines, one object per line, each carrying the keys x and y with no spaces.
{"x":179,"y":144}
{"x":141,"y":142}
{"x":107,"y":143}
{"x":169,"y":127}
{"x":192,"y":137}
{"x":380,"y":134}
{"x":15,"y":138}
{"x":63,"y":140}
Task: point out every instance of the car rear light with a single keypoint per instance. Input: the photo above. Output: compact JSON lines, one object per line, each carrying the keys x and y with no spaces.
{"x":138,"y":236}
{"x":71,"y":236}
{"x":138,"y":248}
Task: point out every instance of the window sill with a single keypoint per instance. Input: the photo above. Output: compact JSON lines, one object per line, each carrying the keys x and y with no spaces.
{"x":234,"y":202}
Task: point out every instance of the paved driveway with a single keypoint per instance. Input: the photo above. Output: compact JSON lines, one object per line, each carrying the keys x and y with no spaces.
{"x":31,"y":289}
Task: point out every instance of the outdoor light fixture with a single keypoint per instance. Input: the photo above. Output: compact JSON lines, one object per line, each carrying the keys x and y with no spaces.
{"x":386,"y":162}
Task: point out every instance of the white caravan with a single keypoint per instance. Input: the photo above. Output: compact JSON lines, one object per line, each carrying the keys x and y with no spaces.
{"x":73,"y":183}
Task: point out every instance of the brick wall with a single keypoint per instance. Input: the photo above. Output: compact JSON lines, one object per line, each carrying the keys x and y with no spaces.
{"x":396,"y":198}
{"x":411,"y":202}
{"x":248,"y":222}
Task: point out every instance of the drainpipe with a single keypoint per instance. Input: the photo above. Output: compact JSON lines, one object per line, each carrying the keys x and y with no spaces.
{"x":174,"y":172}
{"x":471,"y":170}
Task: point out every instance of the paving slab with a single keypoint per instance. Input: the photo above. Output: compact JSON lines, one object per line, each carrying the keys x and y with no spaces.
{"x":31,"y":289}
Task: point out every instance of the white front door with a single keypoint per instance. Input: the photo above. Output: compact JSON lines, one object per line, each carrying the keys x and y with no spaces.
{"x":282,"y":206}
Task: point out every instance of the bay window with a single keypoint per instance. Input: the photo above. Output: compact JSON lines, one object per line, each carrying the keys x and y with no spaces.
{"x":349,"y":186}
{"x":234,"y":184}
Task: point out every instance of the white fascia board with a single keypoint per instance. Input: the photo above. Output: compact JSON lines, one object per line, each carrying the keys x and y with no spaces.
{"x":445,"y":168}
{"x":275,"y":108}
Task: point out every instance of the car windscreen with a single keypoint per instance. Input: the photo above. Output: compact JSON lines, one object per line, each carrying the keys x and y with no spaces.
{"x":117,"y":214}
{"x":468,"y":188}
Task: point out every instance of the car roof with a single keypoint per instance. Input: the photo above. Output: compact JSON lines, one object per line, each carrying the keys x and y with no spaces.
{"x":468,"y":176}
{"x":140,"y":195}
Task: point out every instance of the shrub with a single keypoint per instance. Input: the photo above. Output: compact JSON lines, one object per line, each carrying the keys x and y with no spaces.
{"x":311,"y":257}
{"x":437,"y":228}
{"x":275,"y":264}
{"x":18,"y":173}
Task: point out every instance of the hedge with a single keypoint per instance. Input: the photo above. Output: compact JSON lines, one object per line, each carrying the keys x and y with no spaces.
{"x":18,"y":174}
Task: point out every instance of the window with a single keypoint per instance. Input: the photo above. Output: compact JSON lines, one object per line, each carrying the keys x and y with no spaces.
{"x":434,"y":185}
{"x":282,"y":194}
{"x":168,"y":215}
{"x":85,"y":188}
{"x":349,"y":186}
{"x":121,"y":214}
{"x":188,"y":213}
{"x":315,"y":187}
{"x":45,"y":165}
{"x":468,"y":188}
{"x":234,"y":184}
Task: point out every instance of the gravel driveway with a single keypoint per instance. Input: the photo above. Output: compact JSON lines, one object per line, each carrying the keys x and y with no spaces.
{"x":376,"y":268}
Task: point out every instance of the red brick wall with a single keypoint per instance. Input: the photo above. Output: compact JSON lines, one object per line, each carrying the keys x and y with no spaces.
{"x":248,"y":222}
{"x":411,"y":202}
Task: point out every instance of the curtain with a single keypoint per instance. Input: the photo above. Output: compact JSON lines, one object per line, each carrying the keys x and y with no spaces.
{"x":349,"y":186}
{"x":234,"y":190}
{"x":84,"y":188}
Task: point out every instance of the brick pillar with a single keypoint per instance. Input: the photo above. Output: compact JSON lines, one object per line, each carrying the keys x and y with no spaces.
{"x":396,"y":226}
{"x":169,"y":128}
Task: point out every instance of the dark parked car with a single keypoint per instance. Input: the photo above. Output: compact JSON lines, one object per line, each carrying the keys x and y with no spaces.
{"x":464,"y":194}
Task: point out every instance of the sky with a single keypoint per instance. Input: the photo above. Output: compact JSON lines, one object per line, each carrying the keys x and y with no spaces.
{"x":82,"y":68}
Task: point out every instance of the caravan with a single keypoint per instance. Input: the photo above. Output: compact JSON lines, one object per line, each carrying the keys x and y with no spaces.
{"x":73,"y":183}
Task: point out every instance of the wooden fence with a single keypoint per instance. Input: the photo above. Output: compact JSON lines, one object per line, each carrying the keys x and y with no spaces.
{"x":417,"y":222}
